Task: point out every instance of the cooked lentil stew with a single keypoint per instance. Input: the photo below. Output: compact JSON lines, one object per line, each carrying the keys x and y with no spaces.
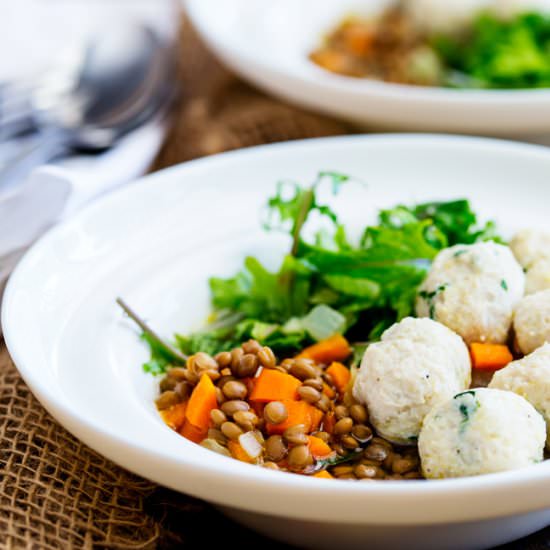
{"x":295,"y":415}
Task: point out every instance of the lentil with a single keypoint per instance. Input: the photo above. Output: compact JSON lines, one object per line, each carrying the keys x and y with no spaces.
{"x":309,"y":394}
{"x":223,"y":359}
{"x":231,"y":407}
{"x":299,"y":457}
{"x":218,"y":417}
{"x":362,"y":433}
{"x":359,"y":413}
{"x":217,"y":435}
{"x":236,"y":355}
{"x":296,"y":435}
{"x":231,"y":430}
{"x":252,"y":346}
{"x":315,"y":383}
{"x":275,"y":412}
{"x":183,"y":389}
{"x":234,"y":390}
{"x":267,"y":358}
{"x":302,"y":369}
{"x":247,"y":420}
{"x":349,"y":442}
{"x":377,"y":452}
{"x":341,"y":411}
{"x":167,"y":383}
{"x":179,"y":373}
{"x":248,"y":366}
{"x":166,"y":399}
{"x":275,"y":448}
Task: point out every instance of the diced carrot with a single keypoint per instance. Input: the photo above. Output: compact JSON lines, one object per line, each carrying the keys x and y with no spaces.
{"x":340,"y":375}
{"x":316,"y":417}
{"x":323,"y":473}
{"x":192,"y":432}
{"x":328,"y":391}
{"x":237,"y":451}
{"x":201,"y":402}
{"x":273,"y":385}
{"x":359,"y":39}
{"x":335,"y":348}
{"x":329,"y":421}
{"x":318,"y":448}
{"x":299,"y":412}
{"x":490,"y":356}
{"x":175,"y":415}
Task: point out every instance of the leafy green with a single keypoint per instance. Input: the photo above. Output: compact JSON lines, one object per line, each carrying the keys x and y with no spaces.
{"x":499,"y":53}
{"x":327,"y":284}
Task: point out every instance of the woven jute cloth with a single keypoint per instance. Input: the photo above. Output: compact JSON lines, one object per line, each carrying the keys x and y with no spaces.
{"x":57,"y":493}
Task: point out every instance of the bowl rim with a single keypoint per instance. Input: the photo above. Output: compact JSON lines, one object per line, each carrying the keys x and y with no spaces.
{"x":521,"y":483}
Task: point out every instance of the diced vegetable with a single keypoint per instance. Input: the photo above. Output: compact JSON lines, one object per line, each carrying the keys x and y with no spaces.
{"x":318,"y":448}
{"x":201,"y":402}
{"x":335,"y":348}
{"x":299,"y":412}
{"x":323,"y":474}
{"x":340,"y":375}
{"x":193,"y":433}
{"x":328,"y":391}
{"x":175,"y":415}
{"x":237,"y":451}
{"x":273,"y":385}
{"x":213,"y":445}
{"x":250,"y":444}
{"x":322,"y":322}
{"x":490,"y":356}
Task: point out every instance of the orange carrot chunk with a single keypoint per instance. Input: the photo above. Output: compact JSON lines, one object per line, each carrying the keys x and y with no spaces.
{"x":490,"y":356}
{"x":273,"y":385}
{"x":335,"y":348}
{"x":324,"y":474}
{"x":299,"y":412}
{"x":318,"y":448}
{"x":175,"y":415}
{"x":340,"y":375}
{"x":201,"y":402}
{"x":192,"y":432}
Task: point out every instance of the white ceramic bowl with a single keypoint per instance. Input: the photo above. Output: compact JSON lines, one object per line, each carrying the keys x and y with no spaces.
{"x":268,"y":43}
{"x":156,"y":242}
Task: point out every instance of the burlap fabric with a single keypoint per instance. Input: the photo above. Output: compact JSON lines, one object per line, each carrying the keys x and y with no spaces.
{"x":57,"y":493}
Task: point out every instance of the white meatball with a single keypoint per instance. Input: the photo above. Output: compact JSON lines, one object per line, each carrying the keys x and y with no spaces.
{"x":417,"y":363}
{"x":530,"y":245}
{"x":473,"y":290}
{"x":532,"y":321}
{"x":530,"y":378}
{"x":480,"y":431}
{"x":537,"y":277}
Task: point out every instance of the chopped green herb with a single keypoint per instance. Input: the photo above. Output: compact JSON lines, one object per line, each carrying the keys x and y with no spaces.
{"x":504,"y":284}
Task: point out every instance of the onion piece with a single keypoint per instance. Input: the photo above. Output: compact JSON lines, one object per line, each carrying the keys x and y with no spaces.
{"x":250,"y":444}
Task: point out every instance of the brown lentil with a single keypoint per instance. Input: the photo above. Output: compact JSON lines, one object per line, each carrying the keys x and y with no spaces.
{"x":179,"y":373}
{"x":270,"y":465}
{"x":252,"y":346}
{"x":299,"y":457}
{"x":309,"y":394}
{"x":183,"y":389}
{"x":281,"y":369}
{"x":362,"y":433}
{"x":315,"y":383}
{"x":275,"y":412}
{"x":218,"y":417}
{"x":247,"y":366}
{"x":275,"y":448}
{"x":224,"y":379}
{"x":236,"y":355}
{"x":342,"y":470}
{"x":413,"y":475}
{"x":220,"y":397}
{"x":403,"y":465}
{"x":231,"y":430}
{"x":234,"y":390}
{"x":166,"y":399}
{"x":226,"y":371}
{"x":343,"y":426}
{"x":223,"y":359}
{"x":349,"y":442}
{"x":359,"y":413}
{"x":287,"y":363}
{"x":341,"y":411}
{"x":377,"y":452}
{"x":212,"y":374}
{"x":323,"y":403}
{"x":362,"y":471}
{"x":217,"y":435}
{"x":203,"y":362}
{"x":231,"y":407}
{"x":167,"y":383}
{"x":296,"y":435}
{"x":303,"y":369}
{"x":325,"y":436}
{"x":247,"y":420}
{"x":267,"y":358}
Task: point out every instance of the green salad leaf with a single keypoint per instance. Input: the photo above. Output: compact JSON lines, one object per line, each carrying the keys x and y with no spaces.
{"x":326,"y":284}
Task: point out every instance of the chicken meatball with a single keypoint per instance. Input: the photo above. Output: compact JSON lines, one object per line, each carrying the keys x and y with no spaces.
{"x":473,"y":290}
{"x":418,"y":363}
{"x":530,"y":245}
{"x":537,"y":277}
{"x":532,"y":321}
{"x":530,"y":378}
{"x":478,"y":432}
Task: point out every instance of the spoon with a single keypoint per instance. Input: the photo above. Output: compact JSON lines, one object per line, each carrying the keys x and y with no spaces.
{"x":98,"y":93}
